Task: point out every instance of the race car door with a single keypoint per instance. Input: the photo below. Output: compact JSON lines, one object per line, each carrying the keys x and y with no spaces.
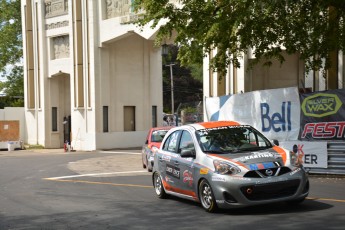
{"x":168,"y":163}
{"x":185,"y":164}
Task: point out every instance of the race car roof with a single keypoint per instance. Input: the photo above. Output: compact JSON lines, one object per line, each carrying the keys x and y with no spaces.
{"x":214,"y":124}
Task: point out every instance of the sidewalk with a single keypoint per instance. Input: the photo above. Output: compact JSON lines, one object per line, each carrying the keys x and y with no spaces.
{"x":119,"y":164}
{"x":30,"y":152}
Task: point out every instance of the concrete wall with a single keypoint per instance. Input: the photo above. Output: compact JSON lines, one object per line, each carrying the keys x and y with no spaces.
{"x":15,"y":114}
{"x":288,"y":74}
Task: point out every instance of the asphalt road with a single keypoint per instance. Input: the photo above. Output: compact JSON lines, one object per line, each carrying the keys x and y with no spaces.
{"x":111,"y":190}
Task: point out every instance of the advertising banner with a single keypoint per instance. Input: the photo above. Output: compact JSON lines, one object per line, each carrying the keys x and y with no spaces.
{"x":323,"y":115}
{"x":313,"y":154}
{"x":275,"y":112}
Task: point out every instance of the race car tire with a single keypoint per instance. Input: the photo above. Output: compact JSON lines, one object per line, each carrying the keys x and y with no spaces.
{"x":149,"y":168}
{"x":206,"y":196}
{"x":142,"y":159}
{"x":158,"y":186}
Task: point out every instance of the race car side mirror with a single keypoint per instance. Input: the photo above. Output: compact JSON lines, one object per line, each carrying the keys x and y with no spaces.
{"x":276,"y":142}
{"x":187,"y":153}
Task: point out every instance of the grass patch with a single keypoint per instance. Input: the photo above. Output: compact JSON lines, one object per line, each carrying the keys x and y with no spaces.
{"x":34,"y":147}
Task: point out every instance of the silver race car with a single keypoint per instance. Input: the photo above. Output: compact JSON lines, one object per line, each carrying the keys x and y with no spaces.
{"x":226,"y":164}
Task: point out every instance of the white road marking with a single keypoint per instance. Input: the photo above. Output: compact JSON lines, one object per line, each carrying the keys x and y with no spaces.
{"x":131,"y":153}
{"x":94,"y":174}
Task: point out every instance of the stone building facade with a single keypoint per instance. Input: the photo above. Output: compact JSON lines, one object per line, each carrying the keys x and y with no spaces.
{"x":91,"y":77}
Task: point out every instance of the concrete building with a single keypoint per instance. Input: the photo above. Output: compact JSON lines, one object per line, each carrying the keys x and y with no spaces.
{"x":91,"y":77}
{"x":291,"y":73}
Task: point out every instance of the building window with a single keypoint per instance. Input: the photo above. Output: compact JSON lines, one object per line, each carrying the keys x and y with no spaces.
{"x":129,"y":118}
{"x":154,"y":116}
{"x":105,"y":119}
{"x":54,"y":119}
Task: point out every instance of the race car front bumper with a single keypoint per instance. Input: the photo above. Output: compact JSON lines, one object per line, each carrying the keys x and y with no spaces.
{"x":236,"y":191}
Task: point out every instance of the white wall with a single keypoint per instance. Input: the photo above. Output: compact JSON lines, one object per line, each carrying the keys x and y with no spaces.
{"x":15,"y":114}
{"x":278,"y":75}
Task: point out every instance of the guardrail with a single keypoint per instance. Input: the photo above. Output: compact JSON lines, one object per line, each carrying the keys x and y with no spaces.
{"x":335,"y":158}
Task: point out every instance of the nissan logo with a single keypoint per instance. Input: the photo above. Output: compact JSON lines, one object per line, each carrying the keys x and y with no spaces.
{"x":269,"y":172}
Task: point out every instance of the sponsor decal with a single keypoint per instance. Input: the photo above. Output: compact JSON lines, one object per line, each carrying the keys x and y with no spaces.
{"x":169,"y":180}
{"x":255,"y":156}
{"x":264,"y":165}
{"x":188,"y":177}
{"x":298,"y":150}
{"x":324,"y":130}
{"x":203,"y":171}
{"x":240,"y":178}
{"x":295,"y":171}
{"x":172,"y":171}
{"x":277,"y":121}
{"x":271,"y":181}
{"x":222,"y":127}
{"x":166,"y":158}
{"x":310,"y":154}
{"x":321,"y":105}
{"x":218,"y":178}
{"x":322,"y":116}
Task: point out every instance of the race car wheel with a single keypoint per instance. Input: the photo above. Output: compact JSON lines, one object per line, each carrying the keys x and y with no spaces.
{"x":158,"y":185}
{"x":206,"y":196}
{"x":142,"y":159}
{"x":149,"y":166}
{"x":149,"y":169}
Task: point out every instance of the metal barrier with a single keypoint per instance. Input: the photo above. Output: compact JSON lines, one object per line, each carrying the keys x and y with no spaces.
{"x":335,"y":158}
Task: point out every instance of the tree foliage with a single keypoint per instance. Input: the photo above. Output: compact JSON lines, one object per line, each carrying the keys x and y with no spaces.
{"x":11,"y":51}
{"x":311,"y":28}
{"x":13,"y":88}
{"x":11,"y":44}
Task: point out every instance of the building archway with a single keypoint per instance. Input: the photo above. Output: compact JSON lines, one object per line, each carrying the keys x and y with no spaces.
{"x":60,"y":103}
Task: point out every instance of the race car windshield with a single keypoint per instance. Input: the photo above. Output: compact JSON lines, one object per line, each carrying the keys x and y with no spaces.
{"x":231,"y":139}
{"x":158,"y":135}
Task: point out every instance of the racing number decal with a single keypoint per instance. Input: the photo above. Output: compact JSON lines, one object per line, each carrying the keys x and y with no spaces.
{"x":173,"y":171}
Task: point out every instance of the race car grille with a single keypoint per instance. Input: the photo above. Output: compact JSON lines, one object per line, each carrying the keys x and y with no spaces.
{"x":271,"y":190}
{"x":262,"y":173}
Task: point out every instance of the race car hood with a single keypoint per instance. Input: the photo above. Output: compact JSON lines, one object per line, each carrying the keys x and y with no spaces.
{"x":254,"y":157}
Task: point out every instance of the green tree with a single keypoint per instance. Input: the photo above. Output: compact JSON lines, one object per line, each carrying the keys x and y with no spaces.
{"x":13,"y":88}
{"x":312,"y":28}
{"x":11,"y":51}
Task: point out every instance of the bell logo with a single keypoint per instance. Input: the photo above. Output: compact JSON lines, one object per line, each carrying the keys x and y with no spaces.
{"x":279,"y":121}
{"x":321,"y":105}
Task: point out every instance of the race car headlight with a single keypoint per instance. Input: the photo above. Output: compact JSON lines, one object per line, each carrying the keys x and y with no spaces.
{"x":225,"y":168}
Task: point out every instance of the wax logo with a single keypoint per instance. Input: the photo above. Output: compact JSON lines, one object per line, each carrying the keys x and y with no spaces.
{"x":321,"y":105}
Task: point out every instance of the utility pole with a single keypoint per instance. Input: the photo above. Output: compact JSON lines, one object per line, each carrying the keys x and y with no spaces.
{"x":172,"y":88}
